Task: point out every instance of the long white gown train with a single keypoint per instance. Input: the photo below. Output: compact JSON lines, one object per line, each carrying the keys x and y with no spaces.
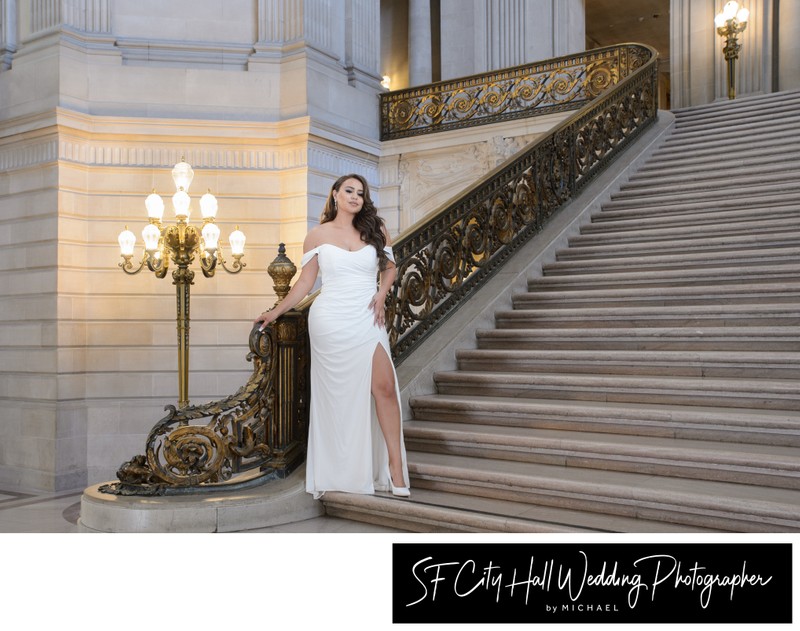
{"x":346,"y":448}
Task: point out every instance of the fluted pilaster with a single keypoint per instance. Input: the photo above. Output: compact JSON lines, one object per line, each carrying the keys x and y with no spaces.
{"x":283,"y":24}
{"x":420,"y":69}
{"x":89,"y":16}
{"x":505,"y":24}
{"x":362,"y":41}
{"x":44,"y":15}
{"x":280,"y":21}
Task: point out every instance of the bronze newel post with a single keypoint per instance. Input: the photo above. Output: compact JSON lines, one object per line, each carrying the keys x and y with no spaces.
{"x":290,"y":422}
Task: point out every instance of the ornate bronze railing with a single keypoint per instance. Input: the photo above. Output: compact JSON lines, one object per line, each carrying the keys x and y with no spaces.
{"x":257,"y":434}
{"x":564,"y":83}
{"x":441,"y":261}
{"x":445,"y":258}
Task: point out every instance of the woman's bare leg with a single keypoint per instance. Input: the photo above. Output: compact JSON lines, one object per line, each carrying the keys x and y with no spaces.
{"x":387,"y":408}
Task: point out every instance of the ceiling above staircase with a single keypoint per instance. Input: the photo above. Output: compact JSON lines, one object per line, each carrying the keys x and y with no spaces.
{"x":617,"y":21}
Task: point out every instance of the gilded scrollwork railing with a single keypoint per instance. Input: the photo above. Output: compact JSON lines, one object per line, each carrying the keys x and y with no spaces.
{"x":445,"y":258}
{"x":565,"y":83}
{"x":256,"y":434}
{"x":260,"y":432}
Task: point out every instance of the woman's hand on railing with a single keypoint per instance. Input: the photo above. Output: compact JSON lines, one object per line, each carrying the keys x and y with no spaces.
{"x":266,"y":318}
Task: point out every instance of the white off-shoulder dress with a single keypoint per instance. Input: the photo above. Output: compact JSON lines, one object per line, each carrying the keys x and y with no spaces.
{"x":346,"y":448}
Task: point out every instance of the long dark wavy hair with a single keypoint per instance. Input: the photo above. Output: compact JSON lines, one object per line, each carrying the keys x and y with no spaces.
{"x":366,"y":221}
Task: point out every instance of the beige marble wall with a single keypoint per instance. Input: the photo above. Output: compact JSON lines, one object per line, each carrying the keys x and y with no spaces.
{"x":418,"y":175}
{"x":97,"y":104}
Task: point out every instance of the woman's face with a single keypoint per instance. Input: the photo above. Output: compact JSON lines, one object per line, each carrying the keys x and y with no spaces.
{"x":350,"y":196}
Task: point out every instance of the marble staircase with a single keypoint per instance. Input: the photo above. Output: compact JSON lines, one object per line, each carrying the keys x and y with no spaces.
{"x":647,"y":380}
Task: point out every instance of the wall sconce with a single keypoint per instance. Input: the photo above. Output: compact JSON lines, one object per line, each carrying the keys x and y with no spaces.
{"x":181,"y":242}
{"x":731,"y":21}
{"x":387,"y":81}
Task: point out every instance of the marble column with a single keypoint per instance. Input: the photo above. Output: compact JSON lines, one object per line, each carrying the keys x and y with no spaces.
{"x":788,"y":19}
{"x":8,"y":32}
{"x":420,"y":69}
{"x":362,"y":45}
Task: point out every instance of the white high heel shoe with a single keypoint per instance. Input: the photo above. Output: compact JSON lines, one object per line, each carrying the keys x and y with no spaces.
{"x":399,"y":491}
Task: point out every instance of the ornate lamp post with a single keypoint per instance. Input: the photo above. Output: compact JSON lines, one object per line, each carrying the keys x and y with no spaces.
{"x":181,"y":242}
{"x":731,"y":21}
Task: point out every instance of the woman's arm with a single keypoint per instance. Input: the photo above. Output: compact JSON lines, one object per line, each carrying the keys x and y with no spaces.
{"x":387,"y":278}
{"x":305,"y":282}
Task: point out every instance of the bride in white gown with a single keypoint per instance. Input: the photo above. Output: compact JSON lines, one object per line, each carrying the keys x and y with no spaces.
{"x":355,"y":438}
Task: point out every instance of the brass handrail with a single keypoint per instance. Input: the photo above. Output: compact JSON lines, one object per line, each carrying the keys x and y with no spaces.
{"x":441,"y":261}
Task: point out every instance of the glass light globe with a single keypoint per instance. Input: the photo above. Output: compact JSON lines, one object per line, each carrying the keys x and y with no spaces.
{"x":720,"y":20}
{"x":182,"y":175}
{"x":155,"y":206}
{"x":237,"y":240}
{"x":127,"y":242}
{"x":151,"y":235}
{"x":180,"y":202}
{"x":208,"y":206}
{"x":742,"y":16}
{"x":211,"y":236}
{"x":730,"y":9}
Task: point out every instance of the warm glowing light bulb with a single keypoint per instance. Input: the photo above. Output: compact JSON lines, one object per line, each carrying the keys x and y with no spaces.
{"x":211,"y":236}
{"x":155,"y":206}
{"x":127,"y":242}
{"x":208,"y":206}
{"x":742,"y":16}
{"x":182,"y":175}
{"x":730,"y":9}
{"x":180,"y":202}
{"x":151,"y":235}
{"x":237,"y":240}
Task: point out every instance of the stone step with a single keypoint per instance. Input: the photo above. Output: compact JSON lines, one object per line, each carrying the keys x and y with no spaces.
{"x":669,"y":278}
{"x":770,"y":394}
{"x":701,"y":157}
{"x":741,"y":293}
{"x":578,"y":261}
{"x":644,"y":338}
{"x":772,"y":466}
{"x":723,"y":186}
{"x":721,"y":112}
{"x":720,"y":246}
{"x":627,"y":219}
{"x":724,"y":143}
{"x":753,"y":127}
{"x":712,"y":505}
{"x":785,"y":229}
{"x":714,"y":364}
{"x":723,"y":425}
{"x":755,"y":315}
{"x":785,"y":162}
{"x":435,"y":511}
{"x":612,"y":211}
{"x":783,"y":191}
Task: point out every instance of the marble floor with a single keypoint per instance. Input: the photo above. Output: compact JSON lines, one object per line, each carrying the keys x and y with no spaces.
{"x":59,"y":513}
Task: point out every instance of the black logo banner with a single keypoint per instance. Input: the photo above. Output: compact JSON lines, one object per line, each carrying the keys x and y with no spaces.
{"x":592,"y":583}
